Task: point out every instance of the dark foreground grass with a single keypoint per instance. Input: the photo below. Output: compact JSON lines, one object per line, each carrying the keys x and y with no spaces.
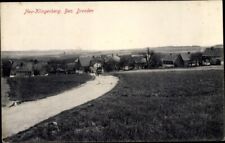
{"x":163,"y":106}
{"x":4,"y":92}
{"x":32,"y":88}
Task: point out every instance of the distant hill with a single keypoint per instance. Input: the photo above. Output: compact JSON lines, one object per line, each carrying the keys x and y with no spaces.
{"x":177,"y":49}
{"x":19,"y":54}
{"x":74,"y":53}
{"x":40,"y":54}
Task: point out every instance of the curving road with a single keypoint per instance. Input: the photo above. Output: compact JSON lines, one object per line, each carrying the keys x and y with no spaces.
{"x":19,"y":118}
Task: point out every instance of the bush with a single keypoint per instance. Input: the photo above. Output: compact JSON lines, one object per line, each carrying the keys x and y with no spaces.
{"x":6,"y":68}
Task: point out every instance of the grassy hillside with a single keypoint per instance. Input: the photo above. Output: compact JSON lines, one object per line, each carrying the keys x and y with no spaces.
{"x":160,"y":106}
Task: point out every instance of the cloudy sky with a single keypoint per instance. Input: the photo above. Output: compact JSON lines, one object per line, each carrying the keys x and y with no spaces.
{"x":110,"y":25}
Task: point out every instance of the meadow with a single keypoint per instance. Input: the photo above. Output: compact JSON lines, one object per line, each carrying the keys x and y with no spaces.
{"x":32,"y":88}
{"x":157,"y":106}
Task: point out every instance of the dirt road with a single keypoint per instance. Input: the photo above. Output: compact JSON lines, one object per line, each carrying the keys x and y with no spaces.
{"x":19,"y":118}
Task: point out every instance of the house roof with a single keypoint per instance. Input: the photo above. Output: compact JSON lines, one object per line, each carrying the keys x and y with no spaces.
{"x":139,"y":59}
{"x":113,"y":58}
{"x":169,"y":57}
{"x":85,"y":61}
{"x":186,"y":56}
{"x":213,"y":52}
{"x":116,"y":58}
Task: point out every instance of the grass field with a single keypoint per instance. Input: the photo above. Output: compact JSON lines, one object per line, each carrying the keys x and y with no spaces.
{"x":27,"y":89}
{"x":159,"y":106}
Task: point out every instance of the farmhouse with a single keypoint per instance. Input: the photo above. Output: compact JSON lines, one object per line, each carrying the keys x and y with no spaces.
{"x":84,"y":63}
{"x":196,"y":59}
{"x":186,"y":59}
{"x":140,"y":61}
{"x":171,"y":60}
{"x":212,"y":56}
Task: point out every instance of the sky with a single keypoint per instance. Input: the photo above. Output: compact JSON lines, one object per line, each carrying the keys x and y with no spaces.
{"x":110,"y":25}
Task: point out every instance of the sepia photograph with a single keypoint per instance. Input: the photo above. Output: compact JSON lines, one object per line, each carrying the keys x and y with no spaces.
{"x":147,"y":71}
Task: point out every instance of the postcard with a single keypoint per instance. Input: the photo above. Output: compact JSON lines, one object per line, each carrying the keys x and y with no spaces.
{"x":112,"y":71}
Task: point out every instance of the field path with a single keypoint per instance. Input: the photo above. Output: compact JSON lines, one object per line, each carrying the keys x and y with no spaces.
{"x":19,"y":118}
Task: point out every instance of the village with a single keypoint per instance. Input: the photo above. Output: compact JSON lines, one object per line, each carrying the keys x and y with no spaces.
{"x":97,"y":64}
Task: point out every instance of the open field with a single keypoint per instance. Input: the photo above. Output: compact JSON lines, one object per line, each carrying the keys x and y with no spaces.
{"x":156,"y":106}
{"x":28,"y":89}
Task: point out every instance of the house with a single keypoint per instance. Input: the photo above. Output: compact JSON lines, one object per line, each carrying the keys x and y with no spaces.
{"x":186,"y":58}
{"x":191,"y":59}
{"x":116,"y":58}
{"x":171,"y":60}
{"x":21,"y":69}
{"x":112,"y":57}
{"x":84,"y":63}
{"x":196,"y":59}
{"x":213,"y":56}
{"x":111,"y":62}
{"x":140,"y":61}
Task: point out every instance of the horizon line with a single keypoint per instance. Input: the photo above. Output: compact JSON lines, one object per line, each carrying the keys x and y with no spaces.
{"x":95,"y":50}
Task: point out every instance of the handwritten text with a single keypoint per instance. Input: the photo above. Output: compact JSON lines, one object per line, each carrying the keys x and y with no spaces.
{"x":58,"y":11}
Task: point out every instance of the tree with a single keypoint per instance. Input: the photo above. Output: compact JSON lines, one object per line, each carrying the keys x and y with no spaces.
{"x":154,"y":60}
{"x":6,"y":68}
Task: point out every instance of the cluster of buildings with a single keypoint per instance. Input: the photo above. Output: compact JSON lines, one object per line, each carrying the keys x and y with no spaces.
{"x":115,"y":62}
